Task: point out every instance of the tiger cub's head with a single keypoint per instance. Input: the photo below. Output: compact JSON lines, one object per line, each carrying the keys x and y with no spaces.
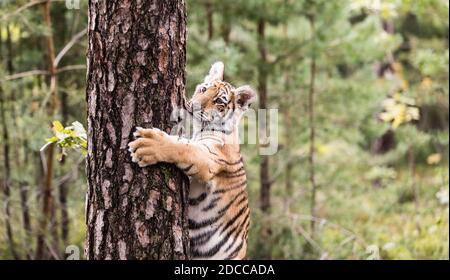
{"x":218,"y":105}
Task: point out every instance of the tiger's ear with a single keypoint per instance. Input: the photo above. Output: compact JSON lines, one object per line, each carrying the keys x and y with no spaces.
{"x":245,"y":96}
{"x":215,"y":73}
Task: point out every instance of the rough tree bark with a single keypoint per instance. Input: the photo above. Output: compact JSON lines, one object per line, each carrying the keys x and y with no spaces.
{"x":136,"y":62}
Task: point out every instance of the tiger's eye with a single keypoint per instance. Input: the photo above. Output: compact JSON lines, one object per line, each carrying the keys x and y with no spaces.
{"x":203,"y":89}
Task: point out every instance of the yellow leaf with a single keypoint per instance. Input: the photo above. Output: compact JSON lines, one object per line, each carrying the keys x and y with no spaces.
{"x":434,"y":158}
{"x":323,"y":149}
{"x":426,"y":83}
{"x":397,"y":67}
{"x":57,"y":126}
{"x":52,"y":140}
{"x":404,"y":84}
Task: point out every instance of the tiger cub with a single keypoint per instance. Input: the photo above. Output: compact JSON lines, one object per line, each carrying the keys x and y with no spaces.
{"x":218,"y":201}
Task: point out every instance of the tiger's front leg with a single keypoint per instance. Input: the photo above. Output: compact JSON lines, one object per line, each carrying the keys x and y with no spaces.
{"x":153,"y":146}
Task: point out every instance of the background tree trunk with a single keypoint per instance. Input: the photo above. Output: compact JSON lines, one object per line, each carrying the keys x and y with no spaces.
{"x":6,"y":184}
{"x":262,"y":88}
{"x":209,"y":9}
{"x":48,"y":203}
{"x":312,"y":135}
{"x":136,"y":62}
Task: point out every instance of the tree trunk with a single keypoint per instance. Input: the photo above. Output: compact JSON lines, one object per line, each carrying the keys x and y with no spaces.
{"x":312,"y":135}
{"x":26,"y":218}
{"x":48,"y":203}
{"x":209,"y":9}
{"x":6,"y":184}
{"x":63,"y":188}
{"x":262,"y":89}
{"x":136,"y":62}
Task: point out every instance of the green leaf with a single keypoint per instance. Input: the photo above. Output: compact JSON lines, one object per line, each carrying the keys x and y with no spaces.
{"x":52,"y":139}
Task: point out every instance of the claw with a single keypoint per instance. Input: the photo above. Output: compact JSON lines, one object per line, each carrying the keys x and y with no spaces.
{"x":134,"y":158}
{"x":137,"y":133}
{"x":141,"y":164}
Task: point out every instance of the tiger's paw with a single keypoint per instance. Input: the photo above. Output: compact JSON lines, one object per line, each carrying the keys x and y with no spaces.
{"x":153,"y":133}
{"x":145,"y":150}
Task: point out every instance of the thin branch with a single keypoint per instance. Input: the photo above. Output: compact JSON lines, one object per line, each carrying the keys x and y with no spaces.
{"x":71,"y":67}
{"x":290,"y":52}
{"x":41,"y":72}
{"x":69,"y":45}
{"x":72,"y":174}
{"x":48,"y":210}
{"x":24,"y":75}
{"x":297,"y":47}
{"x":26,"y":6}
{"x":358,"y":239}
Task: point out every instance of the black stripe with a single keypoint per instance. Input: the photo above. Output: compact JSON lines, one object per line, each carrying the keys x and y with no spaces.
{"x":197,"y":200}
{"x":206,"y":128}
{"x":232,"y":220}
{"x":211,"y":252}
{"x":186,"y":170}
{"x":241,"y":227}
{"x":212,"y":204}
{"x":220,"y":160}
{"x":198,"y":225}
{"x":228,"y":162}
{"x":209,"y":150}
{"x":234,"y":253}
{"x":227,"y":173}
{"x":242,"y":238}
{"x":237,"y":170}
{"x":225,"y":208}
{"x":231,"y":188}
{"x":242,"y":199}
{"x":235,"y":175}
{"x":203,"y":238}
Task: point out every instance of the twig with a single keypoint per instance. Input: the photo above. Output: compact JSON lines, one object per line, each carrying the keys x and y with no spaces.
{"x":26,"y":6}
{"x":69,"y":175}
{"x":24,"y":75}
{"x":41,"y":72}
{"x":70,"y":68}
{"x":69,"y":45}
{"x":327,"y":222}
{"x":310,"y":239}
{"x":52,"y":250}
